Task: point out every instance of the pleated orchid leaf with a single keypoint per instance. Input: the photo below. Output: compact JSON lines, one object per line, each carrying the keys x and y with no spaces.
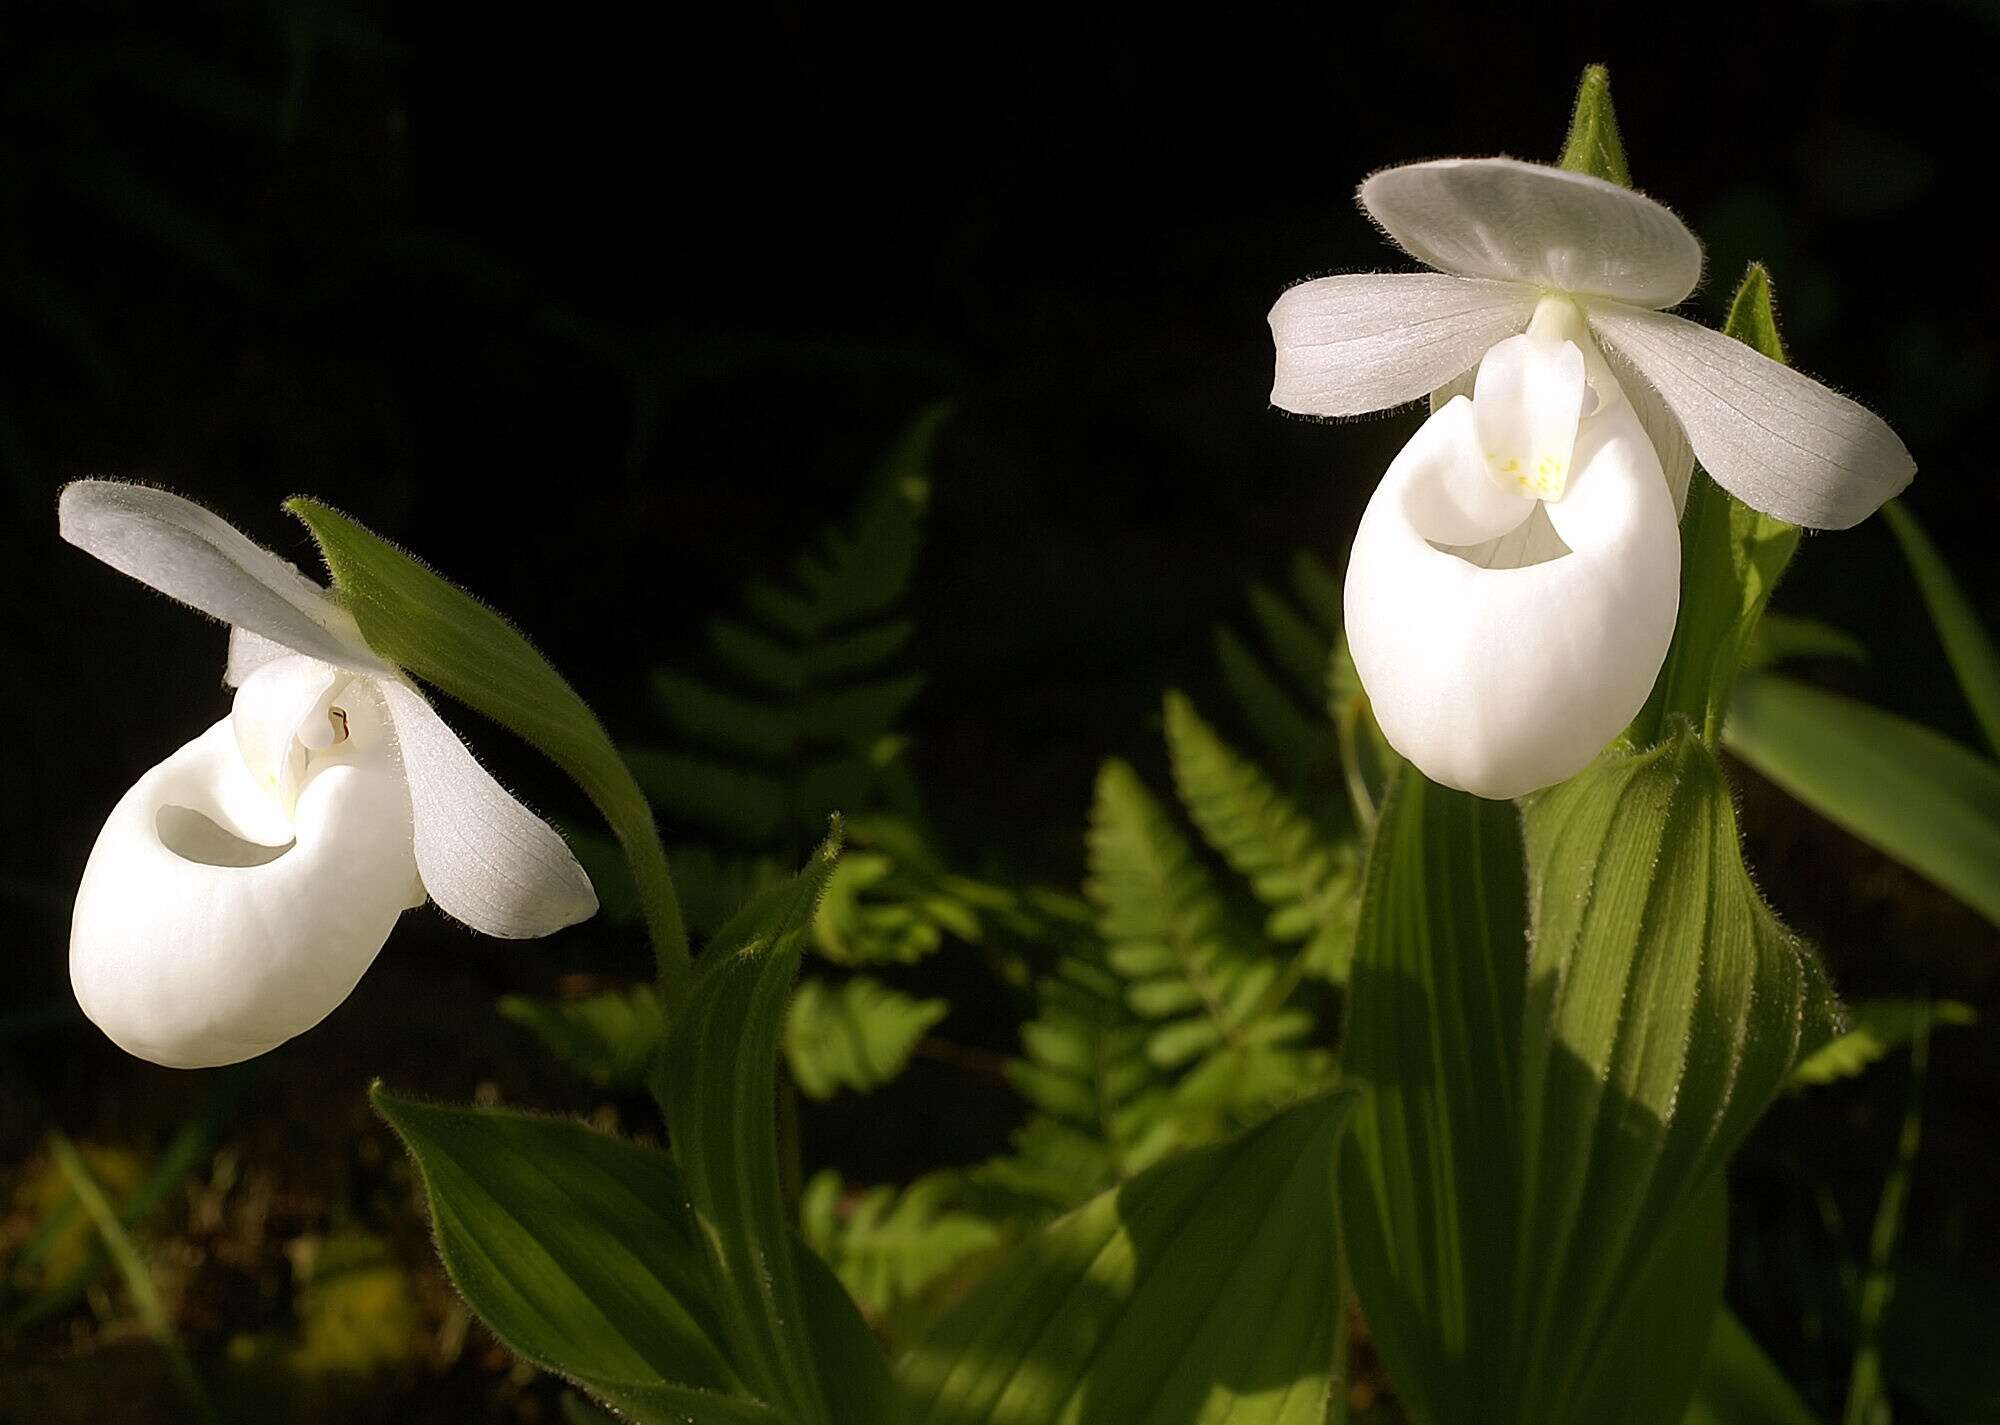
{"x":1504,"y":641}
{"x":242,"y":887}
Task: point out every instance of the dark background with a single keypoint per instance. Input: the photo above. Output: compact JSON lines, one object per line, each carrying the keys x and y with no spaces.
{"x":602,"y":312}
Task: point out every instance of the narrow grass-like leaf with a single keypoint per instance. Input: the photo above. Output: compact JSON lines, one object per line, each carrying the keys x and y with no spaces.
{"x":1911,"y":793}
{"x":420,"y":621}
{"x":717,"y":1082}
{"x":1967,"y":644}
{"x":1205,"y":1290}
{"x":575,"y":1248}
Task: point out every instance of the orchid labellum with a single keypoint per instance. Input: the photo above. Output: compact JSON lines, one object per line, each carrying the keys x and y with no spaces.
{"x":240,"y":888}
{"x":1514,"y":582}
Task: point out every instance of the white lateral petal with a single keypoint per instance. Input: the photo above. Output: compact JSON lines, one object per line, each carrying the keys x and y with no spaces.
{"x":1526,"y":402}
{"x":179,"y":548}
{"x":1371,"y":340}
{"x":1525,"y":222}
{"x":1501,"y":681}
{"x":1771,"y":436}
{"x":1669,"y":440}
{"x":485,"y":859}
{"x":197,"y":942}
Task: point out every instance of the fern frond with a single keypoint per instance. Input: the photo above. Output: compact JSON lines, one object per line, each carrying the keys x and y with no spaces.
{"x":856,"y":1035}
{"x":887,"y":1245}
{"x":892,"y":901}
{"x":609,"y":1037}
{"x":1309,"y":882}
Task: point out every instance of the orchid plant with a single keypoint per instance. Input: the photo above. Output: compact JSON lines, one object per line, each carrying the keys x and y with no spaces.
{"x":1565,"y":1002}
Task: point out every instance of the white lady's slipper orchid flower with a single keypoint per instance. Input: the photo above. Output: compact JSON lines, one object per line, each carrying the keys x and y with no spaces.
{"x":1514,"y":582}
{"x":240,"y":889}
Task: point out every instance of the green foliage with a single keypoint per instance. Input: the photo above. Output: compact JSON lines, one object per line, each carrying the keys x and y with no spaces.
{"x":1779,"y":637}
{"x":1282,"y":693}
{"x":1731,"y":559}
{"x":1740,"y":1386}
{"x":1113,"y":1313}
{"x":1531,"y":1193}
{"x":1213,"y":996}
{"x":1593,"y":145}
{"x":1875,"y":1028}
{"x":793,"y":1334}
{"x":1911,"y":793}
{"x":887,"y":1245}
{"x":417,"y":620}
{"x":894,"y":901}
{"x":576,"y":1249}
{"x":1967,"y":644}
{"x":1307,"y":880}
{"x":856,"y":1035}
{"x":797,"y":719}
{"x":609,"y":1037}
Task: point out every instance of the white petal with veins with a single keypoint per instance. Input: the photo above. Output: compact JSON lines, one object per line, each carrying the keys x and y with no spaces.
{"x":1367,"y":341}
{"x":1500,"y":681}
{"x":197,"y":940}
{"x":485,"y":859}
{"x":1771,"y":436}
{"x":179,"y":548}
{"x":1511,"y":221}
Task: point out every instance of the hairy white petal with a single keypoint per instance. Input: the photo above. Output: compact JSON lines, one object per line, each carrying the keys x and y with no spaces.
{"x":484,"y":857}
{"x":1526,"y":402}
{"x":1524,"y":222}
{"x":1500,"y":681}
{"x":1771,"y":436}
{"x":198,"y":939}
{"x":1370,"y":340}
{"x":185,"y":552}
{"x":247,"y":653}
{"x":1669,"y":440}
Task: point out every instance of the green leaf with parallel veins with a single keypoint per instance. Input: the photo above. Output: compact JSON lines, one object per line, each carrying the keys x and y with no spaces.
{"x":577,"y":1250}
{"x":1205,"y":1290}
{"x":1666,"y":1007}
{"x":855,"y":1035}
{"x":1911,"y":793}
{"x":1427,"y":1195}
{"x":421,"y":622}
{"x":1739,"y":1385}
{"x":1731,"y":559}
{"x":1593,"y":145}
{"x":716,"y":1081}
{"x":1967,"y":644}
{"x":1310,"y":884}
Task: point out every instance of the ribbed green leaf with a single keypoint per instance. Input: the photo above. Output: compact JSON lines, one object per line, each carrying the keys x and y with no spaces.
{"x":577,"y":1250}
{"x":1740,"y":1386}
{"x":609,"y":1037}
{"x":1731,"y":558}
{"x":887,"y":1244}
{"x":717,"y":1082}
{"x":1666,"y":1007}
{"x":1428,"y":1197}
{"x":1967,"y":644}
{"x":855,"y":1035}
{"x":1874,"y":1028}
{"x":1309,"y":883}
{"x":1593,"y":145}
{"x":1205,"y":1290}
{"x":435,"y":629}
{"x":1907,"y":791}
